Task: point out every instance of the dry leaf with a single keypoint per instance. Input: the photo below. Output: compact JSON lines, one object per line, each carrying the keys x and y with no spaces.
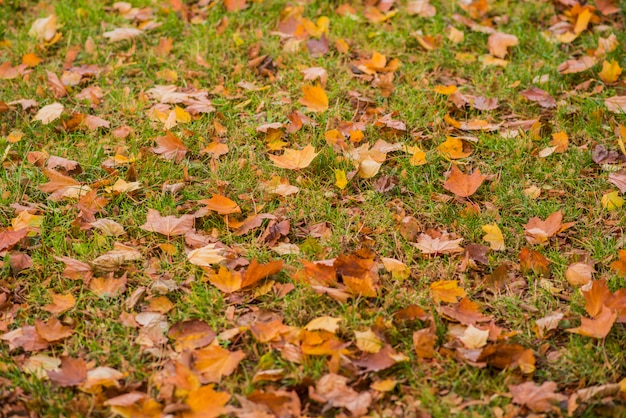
{"x":579,"y":274}
{"x":315,"y":98}
{"x":49,"y":113}
{"x":537,"y":398}
{"x":170,"y":147}
{"x":206,"y":256}
{"x":295,"y":159}
{"x":439,"y":245}
{"x":168,"y":225}
{"x":616,"y":104}
{"x":463,"y":185}
{"x":121,"y":34}
{"x":446,"y":291}
{"x":221,"y":204}
{"x":499,"y":42}
{"x":73,"y":372}
{"x":494,"y":237}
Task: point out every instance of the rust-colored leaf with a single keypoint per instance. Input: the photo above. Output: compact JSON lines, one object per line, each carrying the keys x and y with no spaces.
{"x":168,"y":225}
{"x":315,"y":98}
{"x":73,"y":372}
{"x":170,"y":147}
{"x":294,"y":159}
{"x":256,"y":271}
{"x":463,"y":185}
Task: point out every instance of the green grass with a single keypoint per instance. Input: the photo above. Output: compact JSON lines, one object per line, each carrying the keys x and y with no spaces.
{"x":358,"y":216}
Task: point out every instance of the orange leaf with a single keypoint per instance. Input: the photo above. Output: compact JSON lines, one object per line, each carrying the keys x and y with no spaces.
{"x":295,"y":159}
{"x":461,"y":184}
{"x":60,"y":303}
{"x":225,"y":280}
{"x":531,"y":260}
{"x":170,"y":147}
{"x":31,"y":60}
{"x":206,"y":403}
{"x":256,"y":271}
{"x":72,"y":373}
{"x":598,"y":327}
{"x":453,"y":148}
{"x":221,"y":205}
{"x":538,"y":231}
{"x":620,"y":265}
{"x":53,"y":330}
{"x":499,"y":42}
{"x":596,"y":294}
{"x":424,"y":342}
{"x":315,"y":98}
{"x":214,"y":362}
{"x":234,"y":5}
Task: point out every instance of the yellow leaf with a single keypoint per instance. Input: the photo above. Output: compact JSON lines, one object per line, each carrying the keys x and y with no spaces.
{"x":388,"y":385}
{"x":582,"y":21}
{"x":560,"y":142}
{"x":453,"y":148}
{"x":368,"y":341}
{"x":182,"y":116}
{"x":324,"y":323}
{"x":494,"y":237}
{"x":612,"y":201}
{"x":419,"y":156}
{"x":446,"y":291}
{"x":447,"y":90}
{"x":610,"y":71}
{"x":315,"y":98}
{"x":341,"y":180}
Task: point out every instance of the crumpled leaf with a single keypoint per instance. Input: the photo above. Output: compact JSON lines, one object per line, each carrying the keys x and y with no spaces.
{"x":537,"y":398}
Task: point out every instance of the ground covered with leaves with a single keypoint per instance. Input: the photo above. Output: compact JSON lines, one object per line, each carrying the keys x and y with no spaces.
{"x":312,"y":208}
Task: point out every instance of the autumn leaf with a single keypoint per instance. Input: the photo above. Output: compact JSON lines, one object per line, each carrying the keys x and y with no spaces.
{"x":205,"y":402}
{"x":315,"y":98}
{"x":167,"y":225}
{"x":45,"y":29}
{"x":446,"y":291}
{"x":53,"y":330}
{"x":537,"y":398}
{"x":439,"y":245}
{"x":334,"y":389}
{"x":295,"y":159}
{"x":500,"y":42}
{"x":542,"y":97}
{"x":494,"y":237}
{"x":49,"y":113}
{"x":610,"y":71}
{"x":579,"y":274}
{"x":612,"y":201}
{"x":341,"y":180}
{"x":215,"y":362}
{"x":60,"y":303}
{"x":538,"y":231}
{"x":221,"y":204}
{"x":206,"y":256}
{"x":120,"y":34}
{"x":616,"y":104}
{"x":424,"y":342}
{"x":73,"y":372}
{"x":531,"y":260}
{"x":454,"y":148}
{"x":170,"y":147}
{"x":620,"y":264}
{"x":256,"y":271}
{"x":599,"y":327}
{"x":463,"y":185}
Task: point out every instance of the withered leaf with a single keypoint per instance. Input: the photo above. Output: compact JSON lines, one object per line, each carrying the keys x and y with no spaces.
{"x":461,"y":184}
{"x":73,"y":372}
{"x":168,"y":225}
{"x":537,"y":398}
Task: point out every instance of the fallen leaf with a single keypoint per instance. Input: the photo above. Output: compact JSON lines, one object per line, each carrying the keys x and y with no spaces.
{"x":531,"y":260}
{"x":49,"y":113}
{"x":474,"y":338}
{"x":422,"y":8}
{"x":53,"y":330}
{"x":206,"y":256}
{"x":295,"y":159}
{"x":315,"y":98}
{"x":221,"y":204}
{"x":167,"y":225}
{"x":463,"y":185}
{"x":440,"y":245}
{"x":548,"y":323}
{"x":424,"y":342}
{"x":256,"y":271}
{"x":537,"y":398}
{"x":542,"y":97}
{"x":579,"y":274}
{"x":538,"y":231}
{"x":73,"y":372}
{"x":576,"y":65}
{"x":610,"y":71}
{"x":120,"y":34}
{"x":60,"y":303}
{"x":612,"y":201}
{"x":368,"y":341}
{"x":494,"y":237}
{"x":191,"y":334}
{"x":334,"y":389}
{"x":454,"y":148}
{"x":206,"y":403}
{"x":44,"y":28}
{"x":214,"y":362}
{"x":499,"y":43}
{"x":324,"y":323}
{"x":170,"y":147}
{"x":446,"y":291}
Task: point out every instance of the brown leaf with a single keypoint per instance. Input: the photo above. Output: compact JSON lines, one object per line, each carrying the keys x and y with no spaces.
{"x":461,"y":184}
{"x":619,"y":180}
{"x":579,"y":274}
{"x":281,"y":403}
{"x":53,"y":330}
{"x":542,"y":97}
{"x":75,"y":269}
{"x":191,"y":334}
{"x":616,"y":104}
{"x":383,"y":359}
{"x":537,"y":398}
{"x":73,"y":372}
{"x":8,"y":238}
{"x":26,"y":338}
{"x":234,"y":5}
{"x":502,"y":356}
{"x":108,"y":287}
{"x":465,"y":312}
{"x":167,"y":225}
{"x":439,"y":245}
{"x":334,"y":389}
{"x":170,"y":147}
{"x":424,"y":342}
{"x":576,"y":66}
{"x":531,"y":260}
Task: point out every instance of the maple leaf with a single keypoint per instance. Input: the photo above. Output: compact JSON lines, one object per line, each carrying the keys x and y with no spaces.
{"x":446,"y":291}
{"x":334,"y":389}
{"x":73,"y":372}
{"x":75,"y":269}
{"x":494,"y":237}
{"x":60,"y":303}
{"x":26,"y":338}
{"x":49,"y":113}
{"x":215,"y":362}
{"x":135,"y":404}
{"x":206,"y":256}
{"x":206,"y":403}
{"x":498,"y":43}
{"x":44,"y":28}
{"x":542,"y":97}
{"x":531,"y":260}
{"x":315,"y":98}
{"x":538,"y":231}
{"x":465,"y":312}
{"x":295,"y":159}
{"x":424,"y":342}
{"x":120,"y":34}
{"x":168,"y":225}
{"x":9,"y":238}
{"x":463,"y":185}
{"x":368,"y":341}
{"x":61,"y":186}
{"x":53,"y":330}
{"x":453,"y":148}
{"x":439,"y":245}
{"x":170,"y":147}
{"x":324,"y":323}
{"x":537,"y":398}
{"x":191,"y":334}
{"x":221,"y":204}
{"x":256,"y":271}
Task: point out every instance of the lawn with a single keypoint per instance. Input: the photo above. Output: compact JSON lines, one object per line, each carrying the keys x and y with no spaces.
{"x":262,"y":208}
